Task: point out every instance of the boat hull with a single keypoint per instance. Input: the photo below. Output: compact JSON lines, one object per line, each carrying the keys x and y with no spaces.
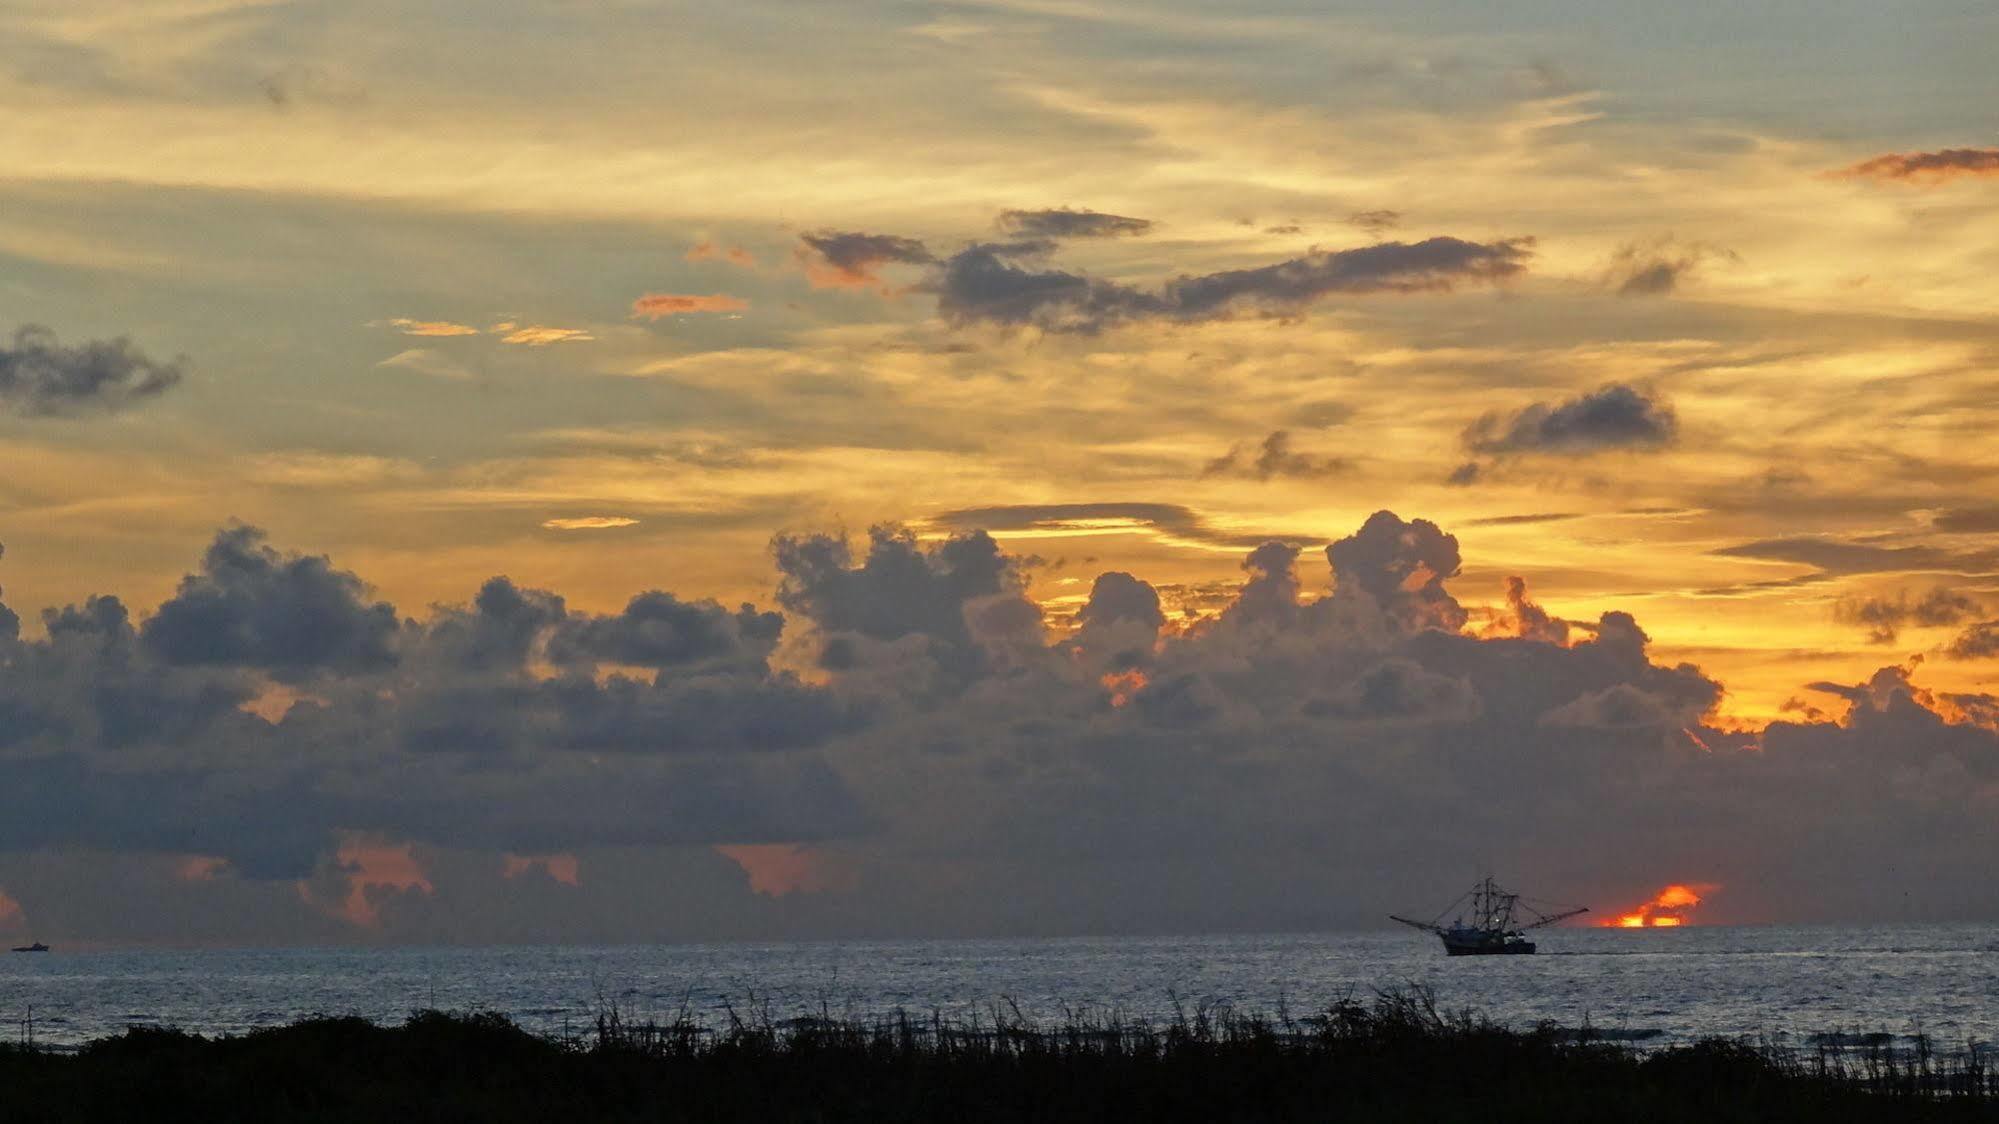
{"x":1489,"y":948}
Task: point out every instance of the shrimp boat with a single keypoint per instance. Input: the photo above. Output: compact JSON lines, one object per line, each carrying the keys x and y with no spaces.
{"x":36,"y":947}
{"x":1489,"y":921}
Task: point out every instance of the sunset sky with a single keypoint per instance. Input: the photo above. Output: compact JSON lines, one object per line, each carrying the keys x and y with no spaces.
{"x":317,"y":316}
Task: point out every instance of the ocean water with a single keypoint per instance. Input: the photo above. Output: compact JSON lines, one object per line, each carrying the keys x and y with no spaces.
{"x":1653,"y":987}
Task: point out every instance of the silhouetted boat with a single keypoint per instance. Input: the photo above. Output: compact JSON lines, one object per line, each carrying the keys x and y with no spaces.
{"x":36,"y":947}
{"x":1486,"y":921}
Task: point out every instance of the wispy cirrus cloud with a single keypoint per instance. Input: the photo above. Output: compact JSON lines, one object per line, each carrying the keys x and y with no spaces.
{"x":1065,"y":222}
{"x":653,"y":306}
{"x":1927,"y":167}
{"x":590,"y":523}
{"x":410,"y":327}
{"x":712,"y":251}
{"x":1274,"y":457}
{"x":537,"y":335}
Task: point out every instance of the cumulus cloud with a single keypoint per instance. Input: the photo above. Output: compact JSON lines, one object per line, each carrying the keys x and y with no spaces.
{"x":1885,"y":617}
{"x":970,"y":773}
{"x":653,"y":306}
{"x":1611,"y":417}
{"x":1121,"y":620}
{"x":659,"y":630}
{"x":1525,"y":619}
{"x":1064,"y":222}
{"x":1274,"y":457}
{"x":1006,"y":283}
{"x":289,"y":614}
{"x":1401,"y":567}
{"x":850,"y":259}
{"x":898,"y":589}
{"x":40,"y":377}
{"x":1928,"y":167}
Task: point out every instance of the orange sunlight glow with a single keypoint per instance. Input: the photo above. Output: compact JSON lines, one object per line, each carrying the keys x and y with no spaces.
{"x":376,"y":869}
{"x":200,"y":868}
{"x":777,"y":869}
{"x":560,"y":866}
{"x":1124,"y":685}
{"x":1668,"y":909}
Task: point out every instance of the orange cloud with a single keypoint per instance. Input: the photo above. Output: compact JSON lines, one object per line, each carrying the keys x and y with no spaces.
{"x":410,"y":327}
{"x":1668,"y":909}
{"x":652,"y":306}
{"x":10,"y":910}
{"x":1928,"y":167}
{"x":562,"y":867}
{"x":589,"y":523}
{"x":734,"y":255}
{"x":777,"y":869}
{"x":1123,"y":686}
{"x":374,"y":866}
{"x":200,"y":868}
{"x":535,"y":335}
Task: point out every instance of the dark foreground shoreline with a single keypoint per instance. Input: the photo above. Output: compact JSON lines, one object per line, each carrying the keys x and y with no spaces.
{"x":1395,"y":1058}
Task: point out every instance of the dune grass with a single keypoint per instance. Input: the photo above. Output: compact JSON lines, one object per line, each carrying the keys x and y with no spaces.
{"x":1397,"y":1057}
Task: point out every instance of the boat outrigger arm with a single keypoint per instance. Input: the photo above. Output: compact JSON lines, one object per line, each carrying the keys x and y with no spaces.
{"x":1489,"y":919}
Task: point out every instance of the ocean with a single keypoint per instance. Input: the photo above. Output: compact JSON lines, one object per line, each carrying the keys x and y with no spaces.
{"x":1784,"y":984}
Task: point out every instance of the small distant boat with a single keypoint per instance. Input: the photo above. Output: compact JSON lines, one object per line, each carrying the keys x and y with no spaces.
{"x":1490,"y":921}
{"x":36,"y":947}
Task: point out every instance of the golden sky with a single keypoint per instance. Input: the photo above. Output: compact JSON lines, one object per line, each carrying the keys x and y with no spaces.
{"x":1683,"y":314}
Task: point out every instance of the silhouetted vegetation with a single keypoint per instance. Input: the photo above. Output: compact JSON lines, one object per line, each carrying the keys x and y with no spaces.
{"x":1398,"y":1057}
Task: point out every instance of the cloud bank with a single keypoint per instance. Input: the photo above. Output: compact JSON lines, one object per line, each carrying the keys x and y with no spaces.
{"x":903,"y":742}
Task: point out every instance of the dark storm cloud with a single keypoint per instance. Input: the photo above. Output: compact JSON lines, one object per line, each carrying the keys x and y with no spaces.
{"x":1399,"y":689}
{"x":659,"y":630}
{"x":1885,"y":617}
{"x":136,"y":738}
{"x":501,"y":630}
{"x":1401,"y":567}
{"x":1274,"y":457}
{"x":1931,"y":167}
{"x":1063,"y":222}
{"x":289,"y":614}
{"x":1006,"y":284}
{"x":41,"y":377}
{"x":1297,"y":746}
{"x":1611,"y":417}
{"x":898,"y":588}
